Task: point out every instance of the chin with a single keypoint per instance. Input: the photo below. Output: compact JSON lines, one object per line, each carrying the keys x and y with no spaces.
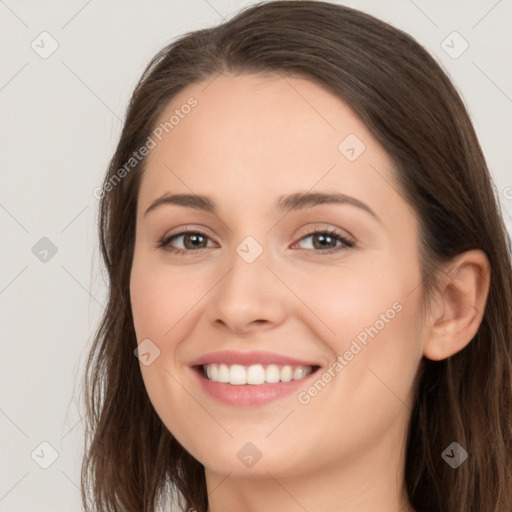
{"x":247,"y":460}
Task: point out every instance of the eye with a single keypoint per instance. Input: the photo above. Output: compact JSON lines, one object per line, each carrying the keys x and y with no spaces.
{"x":325,"y":241}
{"x":195,"y":237}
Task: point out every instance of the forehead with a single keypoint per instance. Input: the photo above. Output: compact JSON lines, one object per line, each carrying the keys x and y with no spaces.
{"x":255,"y":137}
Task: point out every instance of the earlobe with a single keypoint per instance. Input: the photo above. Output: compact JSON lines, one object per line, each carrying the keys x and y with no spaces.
{"x":460,"y":305}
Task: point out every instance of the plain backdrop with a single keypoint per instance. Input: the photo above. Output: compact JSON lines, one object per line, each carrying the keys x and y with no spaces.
{"x":68,"y":69}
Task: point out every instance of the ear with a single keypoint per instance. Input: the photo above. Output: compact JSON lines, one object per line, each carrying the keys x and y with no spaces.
{"x":459,"y":306}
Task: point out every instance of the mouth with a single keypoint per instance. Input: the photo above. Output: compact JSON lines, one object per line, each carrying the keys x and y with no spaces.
{"x":248,"y":379}
{"x":255,"y":374}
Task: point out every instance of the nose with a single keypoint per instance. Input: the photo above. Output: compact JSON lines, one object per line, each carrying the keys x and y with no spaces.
{"x":249,"y":298}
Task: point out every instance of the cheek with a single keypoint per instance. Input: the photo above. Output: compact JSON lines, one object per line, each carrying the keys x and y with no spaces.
{"x":377,"y":345}
{"x":165,"y":303}
{"x":369,"y":318}
{"x":160,"y":301}
{"x":160,"y":298}
{"x":369,"y":385}
{"x":355,"y":300}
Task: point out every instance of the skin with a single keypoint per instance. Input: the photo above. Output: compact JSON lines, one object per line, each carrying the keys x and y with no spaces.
{"x":251,"y":139}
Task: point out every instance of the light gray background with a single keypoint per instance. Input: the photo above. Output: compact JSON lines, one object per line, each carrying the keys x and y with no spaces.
{"x":60,"y":121}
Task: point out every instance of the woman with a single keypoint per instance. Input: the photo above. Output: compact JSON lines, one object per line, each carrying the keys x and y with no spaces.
{"x":306,"y":256}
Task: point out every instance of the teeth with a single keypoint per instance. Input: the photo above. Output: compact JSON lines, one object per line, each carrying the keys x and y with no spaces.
{"x":237,"y":375}
{"x":299,"y":373}
{"x":223,"y":373}
{"x":286,"y":374}
{"x":255,"y":374}
{"x":272,"y":374}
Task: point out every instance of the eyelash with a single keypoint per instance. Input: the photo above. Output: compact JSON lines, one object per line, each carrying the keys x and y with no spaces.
{"x":165,"y":242}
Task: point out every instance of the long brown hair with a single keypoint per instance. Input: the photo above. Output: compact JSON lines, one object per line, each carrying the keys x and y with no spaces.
{"x":132,"y":462}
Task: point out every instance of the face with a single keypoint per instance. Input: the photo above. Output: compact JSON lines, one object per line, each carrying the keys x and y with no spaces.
{"x":315,"y":301}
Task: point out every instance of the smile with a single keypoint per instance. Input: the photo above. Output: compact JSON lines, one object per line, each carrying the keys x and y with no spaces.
{"x":254,"y":375}
{"x":251,"y":378}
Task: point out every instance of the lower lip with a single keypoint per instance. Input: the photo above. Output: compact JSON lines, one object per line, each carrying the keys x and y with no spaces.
{"x":247,"y":394}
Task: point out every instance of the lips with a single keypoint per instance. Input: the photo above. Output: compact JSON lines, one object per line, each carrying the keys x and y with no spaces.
{"x":230,"y":357}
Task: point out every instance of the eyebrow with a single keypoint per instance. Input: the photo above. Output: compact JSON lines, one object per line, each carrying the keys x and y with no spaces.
{"x":296,"y":201}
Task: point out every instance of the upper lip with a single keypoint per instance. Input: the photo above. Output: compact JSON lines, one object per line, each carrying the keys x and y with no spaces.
{"x":249,"y":358}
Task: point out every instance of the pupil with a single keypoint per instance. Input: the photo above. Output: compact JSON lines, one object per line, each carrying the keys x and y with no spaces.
{"x":324,"y":237}
{"x":195,"y":239}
